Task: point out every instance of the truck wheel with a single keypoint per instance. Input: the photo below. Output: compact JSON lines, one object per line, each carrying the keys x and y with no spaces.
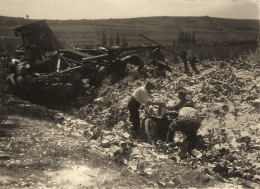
{"x":76,"y":81}
{"x":134,"y":60}
{"x":100,"y":75}
{"x":20,"y":87}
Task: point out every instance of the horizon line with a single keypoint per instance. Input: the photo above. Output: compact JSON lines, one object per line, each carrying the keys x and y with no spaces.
{"x":130,"y":18}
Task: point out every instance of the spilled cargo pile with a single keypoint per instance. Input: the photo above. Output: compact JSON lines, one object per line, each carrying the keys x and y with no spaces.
{"x":226,"y":94}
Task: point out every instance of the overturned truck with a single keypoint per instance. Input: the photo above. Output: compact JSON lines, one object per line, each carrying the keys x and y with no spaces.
{"x":41,"y":63}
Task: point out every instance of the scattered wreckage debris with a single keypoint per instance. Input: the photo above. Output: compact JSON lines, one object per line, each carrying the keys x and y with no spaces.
{"x":42,"y":63}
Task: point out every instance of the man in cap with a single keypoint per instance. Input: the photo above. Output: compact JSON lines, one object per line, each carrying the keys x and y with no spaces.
{"x":140,"y":96}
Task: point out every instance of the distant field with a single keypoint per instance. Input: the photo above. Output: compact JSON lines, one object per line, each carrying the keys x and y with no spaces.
{"x":161,"y":29}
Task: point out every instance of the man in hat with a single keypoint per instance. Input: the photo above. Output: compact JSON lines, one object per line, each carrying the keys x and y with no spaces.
{"x":140,"y":96}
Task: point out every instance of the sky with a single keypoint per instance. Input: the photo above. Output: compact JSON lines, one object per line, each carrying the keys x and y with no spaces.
{"x":106,"y":9}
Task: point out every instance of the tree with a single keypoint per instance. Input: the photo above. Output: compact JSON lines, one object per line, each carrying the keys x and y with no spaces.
{"x":124,"y":43}
{"x":27,"y":16}
{"x":111,"y":40}
{"x":117,"y":39}
{"x":104,"y":41}
{"x":193,"y":39}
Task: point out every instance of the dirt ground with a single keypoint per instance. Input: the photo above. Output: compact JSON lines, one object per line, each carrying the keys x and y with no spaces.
{"x":40,"y":155}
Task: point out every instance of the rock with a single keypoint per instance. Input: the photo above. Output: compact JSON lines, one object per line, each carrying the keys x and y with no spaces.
{"x":236,"y":173}
{"x":126,"y":135}
{"x":216,"y":111}
{"x":148,"y":171}
{"x":101,"y":99}
{"x":170,"y":184}
{"x":256,"y":103}
{"x":88,"y":134}
{"x":225,"y":108}
{"x":123,"y":145}
{"x":4,"y":156}
{"x":115,"y":150}
{"x":220,"y":168}
{"x":135,"y":153}
{"x":59,"y":118}
{"x":196,"y":153}
{"x":132,"y":165}
{"x":105,"y":143}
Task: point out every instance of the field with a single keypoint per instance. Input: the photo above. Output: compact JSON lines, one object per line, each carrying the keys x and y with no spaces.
{"x":164,"y":30}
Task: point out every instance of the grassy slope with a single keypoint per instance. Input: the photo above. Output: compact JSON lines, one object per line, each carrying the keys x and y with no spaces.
{"x":161,"y":29}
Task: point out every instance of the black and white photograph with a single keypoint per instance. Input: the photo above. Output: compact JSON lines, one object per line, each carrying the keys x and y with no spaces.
{"x":129,"y":94}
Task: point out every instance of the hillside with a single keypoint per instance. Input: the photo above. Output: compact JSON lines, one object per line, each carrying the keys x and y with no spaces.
{"x":161,"y":29}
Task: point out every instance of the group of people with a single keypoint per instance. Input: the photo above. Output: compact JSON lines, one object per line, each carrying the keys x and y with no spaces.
{"x":184,"y":116}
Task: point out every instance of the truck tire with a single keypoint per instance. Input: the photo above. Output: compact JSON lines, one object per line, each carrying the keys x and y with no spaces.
{"x":20,"y":85}
{"x":134,"y":60}
{"x":100,"y":75}
{"x":76,"y":81}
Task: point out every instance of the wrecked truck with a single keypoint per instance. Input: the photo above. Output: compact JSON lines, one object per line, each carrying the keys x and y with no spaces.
{"x":41,"y":62}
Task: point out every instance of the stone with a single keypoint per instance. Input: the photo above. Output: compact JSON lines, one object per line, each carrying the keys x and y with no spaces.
{"x":196,"y":153}
{"x":256,"y":103}
{"x":148,"y":171}
{"x":115,"y":150}
{"x":126,"y":135}
{"x":220,"y":168}
{"x":135,"y":153}
{"x":101,"y":99}
{"x":105,"y":143}
{"x":88,"y":134}
{"x":59,"y":118}
{"x":4,"y":156}
{"x":123,"y":145}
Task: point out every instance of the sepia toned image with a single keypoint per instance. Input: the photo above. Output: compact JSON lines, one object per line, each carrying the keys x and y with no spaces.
{"x":129,"y":94}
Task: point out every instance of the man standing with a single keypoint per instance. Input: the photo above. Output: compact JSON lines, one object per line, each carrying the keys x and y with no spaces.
{"x":140,"y":96}
{"x":184,"y":59}
{"x":192,"y":62}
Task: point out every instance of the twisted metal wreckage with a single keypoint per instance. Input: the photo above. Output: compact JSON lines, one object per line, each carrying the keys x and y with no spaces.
{"x":42,"y":63}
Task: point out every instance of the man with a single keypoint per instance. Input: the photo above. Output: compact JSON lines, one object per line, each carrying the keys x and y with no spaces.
{"x":192,"y":63}
{"x":156,"y":128}
{"x":188,"y":122}
{"x":140,"y":96}
{"x":182,"y":96}
{"x":184,"y":59}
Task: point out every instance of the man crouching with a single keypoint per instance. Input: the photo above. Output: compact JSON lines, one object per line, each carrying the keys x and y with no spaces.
{"x":187,"y":122}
